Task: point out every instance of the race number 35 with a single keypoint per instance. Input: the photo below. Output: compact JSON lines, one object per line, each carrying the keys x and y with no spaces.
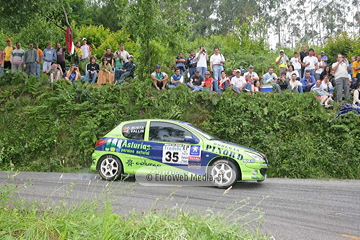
{"x":172,"y":156}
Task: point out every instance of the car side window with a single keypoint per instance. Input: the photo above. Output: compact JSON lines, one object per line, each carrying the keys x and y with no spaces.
{"x":168,"y":132}
{"x":135,"y":131}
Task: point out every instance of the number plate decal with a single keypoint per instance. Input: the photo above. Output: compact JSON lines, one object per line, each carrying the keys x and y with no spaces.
{"x":180,"y":154}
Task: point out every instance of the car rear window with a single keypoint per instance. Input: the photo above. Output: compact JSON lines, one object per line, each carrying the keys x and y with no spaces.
{"x":134,"y":131}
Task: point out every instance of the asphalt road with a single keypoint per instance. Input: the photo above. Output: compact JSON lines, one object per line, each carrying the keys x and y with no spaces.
{"x":294,"y":208}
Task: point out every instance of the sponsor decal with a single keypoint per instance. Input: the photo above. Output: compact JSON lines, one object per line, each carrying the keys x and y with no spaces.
{"x":263,"y":165}
{"x":255,"y":177}
{"x":131,"y":144}
{"x":129,"y":162}
{"x":248,"y":160}
{"x":194,"y":165}
{"x":230,"y":153}
{"x":195,"y":150}
{"x":180,"y":153}
{"x":145,"y":163}
{"x":194,"y":158}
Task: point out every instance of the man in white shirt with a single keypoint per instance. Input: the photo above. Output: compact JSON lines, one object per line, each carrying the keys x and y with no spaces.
{"x":122,"y":54}
{"x":202,"y":58}
{"x":217,"y":61}
{"x":341,"y":68}
{"x":321,"y":67}
{"x":86,"y":50}
{"x":310,"y":63}
{"x":238,"y":82}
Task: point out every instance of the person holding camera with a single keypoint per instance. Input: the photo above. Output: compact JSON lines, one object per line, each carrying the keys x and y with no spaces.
{"x":282,"y":60}
{"x":341,"y":68}
{"x":202,"y":58}
{"x":73,"y":74}
{"x":54,"y":72}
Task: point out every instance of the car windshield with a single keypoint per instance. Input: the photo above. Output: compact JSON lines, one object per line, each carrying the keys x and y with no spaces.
{"x":202,"y":133}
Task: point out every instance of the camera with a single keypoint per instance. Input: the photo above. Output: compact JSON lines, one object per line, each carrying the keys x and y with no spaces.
{"x":204,"y":50}
{"x":75,"y":69}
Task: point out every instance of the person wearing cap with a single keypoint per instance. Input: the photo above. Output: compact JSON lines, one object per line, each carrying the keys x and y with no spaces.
{"x":73,"y":73}
{"x":296,"y":62}
{"x":86,"y":50}
{"x":196,"y":82}
{"x":325,"y":58}
{"x":176,"y":79}
{"x":254,"y":77}
{"x":49,"y":56}
{"x":238,"y":83}
{"x":54,"y":72}
{"x":127,"y":70}
{"x":294,"y":84}
{"x":310,"y":63}
{"x":202,"y":58}
{"x":17,"y":58}
{"x":7,"y":54}
{"x":159,"y":78}
{"x":31,"y":59}
{"x":282,"y":60}
{"x":121,"y":55}
{"x":282,"y":81}
{"x":217,"y":62}
{"x":208,"y":82}
{"x":92,"y":70}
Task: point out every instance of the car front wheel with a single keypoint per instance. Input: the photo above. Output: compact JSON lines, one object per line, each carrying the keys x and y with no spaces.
{"x":224,"y":173}
{"x":110,"y":167}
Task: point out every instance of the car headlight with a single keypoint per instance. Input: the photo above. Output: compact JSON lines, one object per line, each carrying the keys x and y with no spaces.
{"x":255,"y":156}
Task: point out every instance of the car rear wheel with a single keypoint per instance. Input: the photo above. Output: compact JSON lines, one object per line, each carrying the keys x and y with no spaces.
{"x":224,"y":173}
{"x":110,"y":167}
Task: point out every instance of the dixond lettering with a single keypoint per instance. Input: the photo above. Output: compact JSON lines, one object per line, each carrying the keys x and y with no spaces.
{"x":226,"y":152}
{"x":142,"y":146}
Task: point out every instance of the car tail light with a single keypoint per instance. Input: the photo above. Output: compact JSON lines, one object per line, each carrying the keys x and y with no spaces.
{"x":100,"y":142}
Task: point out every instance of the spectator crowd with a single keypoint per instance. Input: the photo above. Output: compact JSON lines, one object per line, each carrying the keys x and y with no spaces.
{"x":305,"y":71}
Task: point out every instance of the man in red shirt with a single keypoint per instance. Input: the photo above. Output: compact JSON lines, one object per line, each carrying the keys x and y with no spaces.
{"x":208,"y":82}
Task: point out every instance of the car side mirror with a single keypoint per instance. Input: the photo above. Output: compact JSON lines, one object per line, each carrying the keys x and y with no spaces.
{"x":191,"y":140}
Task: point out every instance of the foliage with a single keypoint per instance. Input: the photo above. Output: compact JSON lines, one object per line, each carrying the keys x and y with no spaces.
{"x":51,"y":128}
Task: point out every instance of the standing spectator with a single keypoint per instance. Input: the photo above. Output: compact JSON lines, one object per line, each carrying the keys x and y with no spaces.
{"x":326,"y":71}
{"x":320,"y":68}
{"x":196,"y":82}
{"x":1,"y":62}
{"x":122,"y":55}
{"x":54,"y":72}
{"x":86,"y":50}
{"x":176,"y":79}
{"x":310,"y":63}
{"x":159,"y":78}
{"x":327,"y":86}
{"x":191,"y":63}
{"x":282,"y":60}
{"x":350,"y":64}
{"x":271,"y":78}
{"x":238,"y":83}
{"x":92,"y":70}
{"x":180,"y":63}
{"x":109,"y":57}
{"x":73,"y":73}
{"x":208,"y":82}
{"x":303,"y":54}
{"x":38,"y":64}
{"x":7,"y":54}
{"x":294,"y":84}
{"x":341,"y":68}
{"x":356,"y":73}
{"x":202,"y":58}
{"x":60,"y":53}
{"x":324,"y":58}
{"x":296,"y":62}
{"x":323,"y":96}
{"x":31,"y":59}
{"x":217,"y":61}
{"x":49,"y":55}
{"x":356,"y":98}
{"x":78,"y":52}
{"x":308,"y":82}
{"x":17,"y":58}
{"x":127,"y":69}
{"x":290,"y":72}
{"x":105,"y":74}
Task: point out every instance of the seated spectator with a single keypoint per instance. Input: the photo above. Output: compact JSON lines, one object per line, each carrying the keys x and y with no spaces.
{"x":326,"y":71}
{"x":233,"y":73}
{"x":176,"y":79}
{"x":221,"y":84}
{"x":270,"y":78}
{"x":356,"y":98}
{"x":73,"y":74}
{"x":324,"y":97}
{"x":290,"y":72}
{"x":320,"y":68}
{"x":208,"y":82}
{"x":196,"y":82}
{"x":238,"y":83}
{"x":54,"y":72}
{"x":254,"y":77}
{"x":251,"y":85}
{"x":180,"y":63}
{"x":325,"y":58}
{"x":159,"y":78}
{"x":308,"y":82}
{"x":294,"y":84}
{"x":109,"y":57}
{"x":92,"y":70}
{"x":327,"y":86}
{"x":282,"y":81}
{"x":127,"y":70}
{"x":105,"y":75}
